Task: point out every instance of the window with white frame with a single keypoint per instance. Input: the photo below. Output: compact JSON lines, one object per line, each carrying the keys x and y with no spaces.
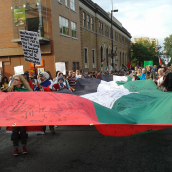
{"x":66,"y":3}
{"x":92,"y":24}
{"x":72,"y":5}
{"x":84,"y":20}
{"x":74,"y":30}
{"x":88,"y":21}
{"x":93,"y":58}
{"x":101,"y":28}
{"x":64,"y":25}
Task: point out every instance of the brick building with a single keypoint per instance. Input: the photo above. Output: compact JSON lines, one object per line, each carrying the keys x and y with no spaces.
{"x":96,"y":42}
{"x":64,"y":35}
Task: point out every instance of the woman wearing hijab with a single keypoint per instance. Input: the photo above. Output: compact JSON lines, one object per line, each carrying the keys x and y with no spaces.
{"x":143,"y":76}
{"x":44,"y":84}
{"x":60,"y":85}
{"x":150,"y":74}
{"x":19,"y":84}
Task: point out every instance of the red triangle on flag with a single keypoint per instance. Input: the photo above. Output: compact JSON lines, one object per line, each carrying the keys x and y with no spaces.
{"x":160,"y":62}
{"x":128,"y":64}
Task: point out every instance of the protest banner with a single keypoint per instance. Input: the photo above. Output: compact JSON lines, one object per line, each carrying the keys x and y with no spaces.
{"x":18,"y":70}
{"x":60,"y":66}
{"x":19,"y":16}
{"x":31,"y":47}
{"x":148,"y":63}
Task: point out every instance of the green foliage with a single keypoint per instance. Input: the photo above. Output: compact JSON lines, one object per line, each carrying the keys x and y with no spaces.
{"x":168,"y":46}
{"x":145,"y":51}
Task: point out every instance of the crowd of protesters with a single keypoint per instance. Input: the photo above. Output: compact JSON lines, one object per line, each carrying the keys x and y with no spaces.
{"x":162,"y":76}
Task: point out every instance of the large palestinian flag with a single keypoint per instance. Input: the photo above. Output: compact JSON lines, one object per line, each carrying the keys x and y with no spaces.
{"x":116,"y":106}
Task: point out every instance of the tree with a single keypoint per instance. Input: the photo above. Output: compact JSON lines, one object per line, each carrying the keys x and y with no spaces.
{"x":145,"y":51}
{"x":168,"y":47}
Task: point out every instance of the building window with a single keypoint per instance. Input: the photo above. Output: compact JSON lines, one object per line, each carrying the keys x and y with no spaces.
{"x":74,"y":30}
{"x":101,"y":28}
{"x":107,"y":31}
{"x":32,"y":24}
{"x":116,"y":36}
{"x":85,"y":55}
{"x":60,"y":1}
{"x":72,"y":5}
{"x":88,"y":21}
{"x":66,"y":3}
{"x":92,"y":24}
{"x":84,"y":20}
{"x":101,"y":54}
{"x":120,"y":38}
{"x":64,"y":25}
{"x":107,"y":61}
{"x":75,"y":66}
{"x":93,"y":59}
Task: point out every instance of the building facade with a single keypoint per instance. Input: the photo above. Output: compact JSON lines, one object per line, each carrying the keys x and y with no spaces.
{"x":96,"y":42}
{"x":147,"y":39}
{"x":76,"y":32}
{"x":38,"y":19}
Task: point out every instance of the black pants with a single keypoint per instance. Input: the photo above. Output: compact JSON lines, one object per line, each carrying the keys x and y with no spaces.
{"x":16,"y":136}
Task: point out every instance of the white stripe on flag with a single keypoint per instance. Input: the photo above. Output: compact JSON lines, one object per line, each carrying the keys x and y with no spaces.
{"x":120,"y":78}
{"x":108,"y":93}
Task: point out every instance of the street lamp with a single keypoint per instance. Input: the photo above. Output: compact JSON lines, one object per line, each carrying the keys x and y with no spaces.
{"x":112,"y":35}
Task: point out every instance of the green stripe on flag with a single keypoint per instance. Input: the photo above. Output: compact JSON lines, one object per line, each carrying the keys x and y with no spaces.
{"x":149,"y":106}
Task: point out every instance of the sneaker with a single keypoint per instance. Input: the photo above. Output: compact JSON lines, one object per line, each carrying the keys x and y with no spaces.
{"x":16,"y":152}
{"x":24,"y":150}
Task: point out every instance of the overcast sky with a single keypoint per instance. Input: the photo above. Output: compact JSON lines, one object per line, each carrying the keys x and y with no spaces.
{"x":143,"y":18}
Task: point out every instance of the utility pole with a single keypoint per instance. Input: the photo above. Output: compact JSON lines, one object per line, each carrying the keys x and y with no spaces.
{"x":112,"y":55}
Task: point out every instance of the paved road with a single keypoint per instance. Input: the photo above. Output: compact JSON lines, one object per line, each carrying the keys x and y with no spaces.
{"x":83,"y":148}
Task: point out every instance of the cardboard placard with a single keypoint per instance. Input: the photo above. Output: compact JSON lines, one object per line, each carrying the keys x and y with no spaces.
{"x":31,"y":47}
{"x":18,"y":70}
{"x":60,"y":66}
{"x":40,"y":70}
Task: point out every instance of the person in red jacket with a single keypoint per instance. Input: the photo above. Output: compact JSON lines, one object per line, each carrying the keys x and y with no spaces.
{"x":60,"y":85}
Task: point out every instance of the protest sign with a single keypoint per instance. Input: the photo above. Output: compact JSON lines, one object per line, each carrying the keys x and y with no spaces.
{"x":60,"y":66}
{"x":148,"y":63}
{"x":40,"y":70}
{"x":18,"y":70}
{"x":0,"y":64}
{"x":31,"y":47}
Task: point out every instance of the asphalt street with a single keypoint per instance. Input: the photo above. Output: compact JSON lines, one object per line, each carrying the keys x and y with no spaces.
{"x":83,"y":148}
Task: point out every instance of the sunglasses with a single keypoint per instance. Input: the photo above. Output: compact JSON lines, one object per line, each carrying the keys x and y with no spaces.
{"x":16,"y":80}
